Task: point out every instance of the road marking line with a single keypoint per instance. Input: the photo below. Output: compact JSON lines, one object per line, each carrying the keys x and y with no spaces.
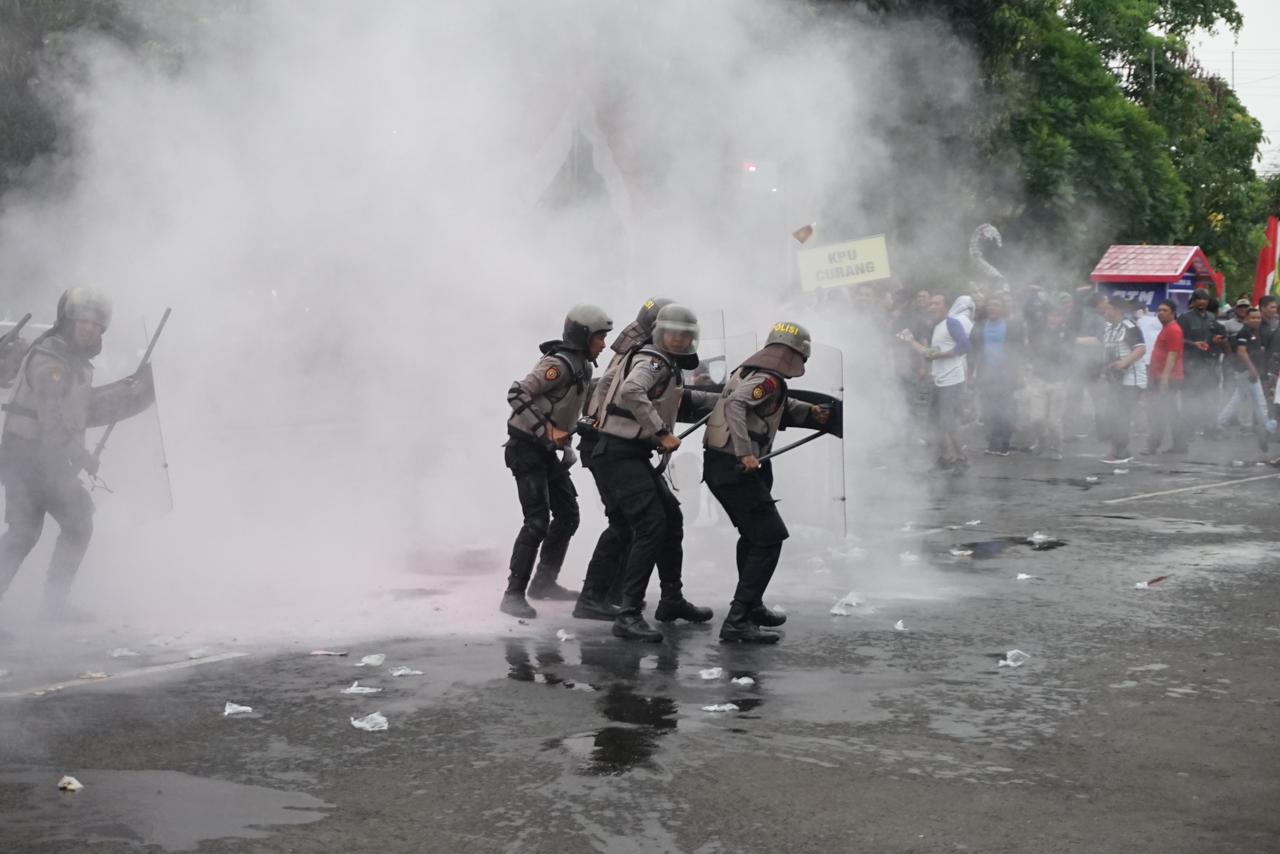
{"x":141,"y":671}
{"x":1189,"y":489}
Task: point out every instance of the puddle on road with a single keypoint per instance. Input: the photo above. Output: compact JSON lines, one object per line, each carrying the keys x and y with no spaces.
{"x":168,"y":809}
{"x":999,"y":545}
{"x":638,"y":721}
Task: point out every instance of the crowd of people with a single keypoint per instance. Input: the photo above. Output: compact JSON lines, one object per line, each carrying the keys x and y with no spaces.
{"x":1024,"y":366}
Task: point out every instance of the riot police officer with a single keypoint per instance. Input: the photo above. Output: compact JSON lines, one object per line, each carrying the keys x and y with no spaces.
{"x":742,"y":427}
{"x":545,"y":407}
{"x":604,"y":572}
{"x":640,"y":408}
{"x":42,"y":448}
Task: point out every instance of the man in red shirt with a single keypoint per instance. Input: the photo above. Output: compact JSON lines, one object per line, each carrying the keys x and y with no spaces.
{"x":1165,"y":382}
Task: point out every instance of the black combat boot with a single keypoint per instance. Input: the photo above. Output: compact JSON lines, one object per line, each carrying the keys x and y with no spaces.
{"x":590,"y":607}
{"x":630,"y":624}
{"x":738,"y":628}
{"x":514,"y":603}
{"x":544,"y":586}
{"x":762,"y":616}
{"x":670,"y":610}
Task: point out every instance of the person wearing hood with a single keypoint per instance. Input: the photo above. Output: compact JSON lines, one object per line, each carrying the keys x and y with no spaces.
{"x":545,"y":406}
{"x":637,"y":413}
{"x":601,"y":588}
{"x":42,"y":445}
{"x":752,"y":408}
{"x":948,"y":365}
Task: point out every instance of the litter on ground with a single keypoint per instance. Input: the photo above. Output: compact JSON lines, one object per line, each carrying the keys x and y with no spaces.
{"x":235,"y":709}
{"x":327,"y":652}
{"x":564,"y":636}
{"x":375,"y":722}
{"x":372,"y":660}
{"x":357,"y":688}
{"x":404,"y":671}
{"x":743,"y":680}
{"x":1013,"y":658}
{"x":900,"y":626}
{"x":844,"y":607}
{"x":69,"y":784}
{"x":711,"y":673}
{"x":720,"y":707}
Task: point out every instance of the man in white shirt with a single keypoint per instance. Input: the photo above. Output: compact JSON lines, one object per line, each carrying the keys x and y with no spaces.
{"x":948,"y":365}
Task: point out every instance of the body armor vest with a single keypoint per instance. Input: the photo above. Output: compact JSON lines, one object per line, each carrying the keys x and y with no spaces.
{"x":618,"y":421}
{"x":762,"y":421}
{"x":563,"y":405}
{"x":21,"y":412}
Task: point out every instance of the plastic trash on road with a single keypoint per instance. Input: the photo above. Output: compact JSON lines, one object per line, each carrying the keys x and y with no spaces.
{"x":122,"y":652}
{"x":1237,"y":464}
{"x":959,"y":552}
{"x":743,"y":680}
{"x":372,"y":660}
{"x":711,"y":673}
{"x":563,"y":636}
{"x":1013,"y":658}
{"x":404,"y":671}
{"x":375,"y":722}
{"x":845,"y":606}
{"x":1022,"y":576}
{"x":1119,"y":471}
{"x":328,"y":652}
{"x":1093,"y":478}
{"x":972,"y":522}
{"x":357,"y":688}
{"x":720,"y":707}
{"x":1143,"y":585}
{"x":235,"y":709}
{"x":1039,"y":537}
{"x":900,"y":626}
{"x":69,"y":784}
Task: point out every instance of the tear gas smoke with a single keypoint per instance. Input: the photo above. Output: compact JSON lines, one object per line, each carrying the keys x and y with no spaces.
{"x":366,"y":220}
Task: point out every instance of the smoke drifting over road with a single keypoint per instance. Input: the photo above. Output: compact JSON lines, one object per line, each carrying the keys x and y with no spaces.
{"x":366,"y":218}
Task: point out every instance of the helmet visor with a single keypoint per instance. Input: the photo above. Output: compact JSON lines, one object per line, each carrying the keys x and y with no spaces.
{"x":680,"y":338}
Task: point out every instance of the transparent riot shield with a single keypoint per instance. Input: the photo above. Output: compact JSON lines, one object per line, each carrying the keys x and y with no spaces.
{"x":134,"y":476}
{"x":809,"y":482}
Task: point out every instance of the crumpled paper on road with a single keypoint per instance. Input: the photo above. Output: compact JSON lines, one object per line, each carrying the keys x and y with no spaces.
{"x":357,"y":688}
{"x":372,"y":660}
{"x":69,"y":784}
{"x":375,"y":722}
{"x":721,"y":707}
{"x":235,"y":709}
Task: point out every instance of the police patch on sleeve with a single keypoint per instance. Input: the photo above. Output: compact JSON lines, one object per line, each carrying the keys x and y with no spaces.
{"x":768,"y":385}
{"x":553,"y":373}
{"x":757,"y":393}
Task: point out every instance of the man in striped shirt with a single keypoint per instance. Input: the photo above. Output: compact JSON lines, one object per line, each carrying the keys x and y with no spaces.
{"x":1125,"y":375}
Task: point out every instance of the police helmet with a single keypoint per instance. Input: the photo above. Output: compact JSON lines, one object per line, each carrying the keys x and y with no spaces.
{"x":85,"y":304}
{"x":582,"y":323}
{"x":674,"y":318}
{"x":791,"y":335}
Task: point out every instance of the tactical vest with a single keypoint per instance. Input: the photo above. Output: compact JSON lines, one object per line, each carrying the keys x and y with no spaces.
{"x":563,"y":405}
{"x":21,"y":412}
{"x":618,"y":421}
{"x":762,"y":421}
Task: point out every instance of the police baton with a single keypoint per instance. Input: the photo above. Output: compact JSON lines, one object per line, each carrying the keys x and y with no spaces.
{"x":666,"y":455}
{"x":146,"y":357}
{"x":12,"y":335}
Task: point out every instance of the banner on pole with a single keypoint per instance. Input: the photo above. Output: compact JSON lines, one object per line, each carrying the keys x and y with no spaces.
{"x":842,"y":264}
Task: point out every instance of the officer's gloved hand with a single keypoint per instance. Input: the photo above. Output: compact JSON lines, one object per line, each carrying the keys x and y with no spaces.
{"x":143,"y":384}
{"x":570,"y":457}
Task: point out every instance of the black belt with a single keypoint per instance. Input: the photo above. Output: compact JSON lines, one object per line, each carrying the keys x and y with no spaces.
{"x":614,"y":409}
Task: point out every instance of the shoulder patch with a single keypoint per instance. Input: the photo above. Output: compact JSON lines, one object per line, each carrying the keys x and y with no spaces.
{"x":757,"y":393}
{"x":553,"y":373}
{"x":767,"y":386}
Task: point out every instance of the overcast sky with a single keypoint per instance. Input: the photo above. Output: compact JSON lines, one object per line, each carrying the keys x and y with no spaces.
{"x":1257,"y":68}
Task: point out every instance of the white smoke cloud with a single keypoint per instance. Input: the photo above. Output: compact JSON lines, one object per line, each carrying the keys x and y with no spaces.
{"x":361,"y":219}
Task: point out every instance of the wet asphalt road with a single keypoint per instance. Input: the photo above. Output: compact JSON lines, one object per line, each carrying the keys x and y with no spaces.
{"x":1145,"y":720}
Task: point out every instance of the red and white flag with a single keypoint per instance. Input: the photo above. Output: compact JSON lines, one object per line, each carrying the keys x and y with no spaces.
{"x":1264,"y":278}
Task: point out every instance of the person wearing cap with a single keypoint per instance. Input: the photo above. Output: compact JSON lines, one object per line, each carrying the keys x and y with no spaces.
{"x":545,"y":406}
{"x":42,"y":445}
{"x":1235,"y":321}
{"x":753,"y":406}
{"x":1203,"y":338}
